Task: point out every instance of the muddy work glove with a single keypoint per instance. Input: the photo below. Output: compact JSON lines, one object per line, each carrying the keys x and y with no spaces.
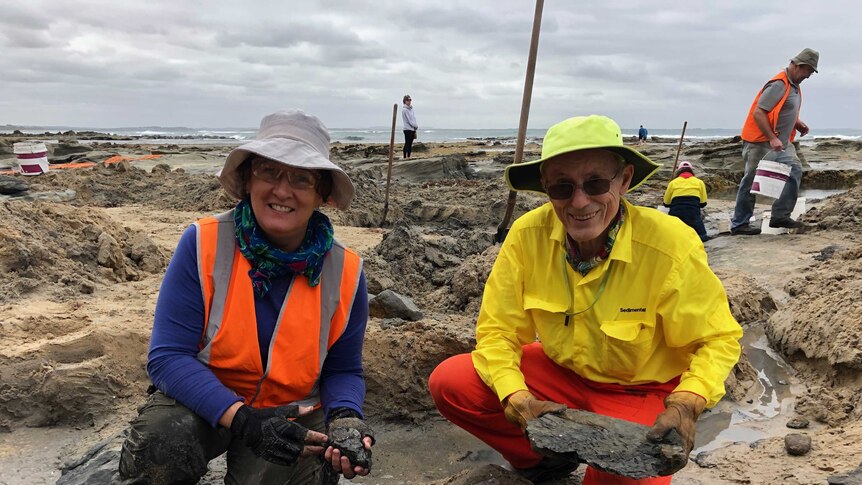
{"x":347,"y":432}
{"x":269,"y":433}
{"x":522,"y":406}
{"x":681,"y":412}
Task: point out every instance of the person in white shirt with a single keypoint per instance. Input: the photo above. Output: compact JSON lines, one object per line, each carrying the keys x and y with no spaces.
{"x":411,"y":129}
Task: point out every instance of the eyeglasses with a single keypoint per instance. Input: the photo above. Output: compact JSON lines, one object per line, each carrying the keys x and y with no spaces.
{"x":565,"y":190}
{"x":270,"y":172}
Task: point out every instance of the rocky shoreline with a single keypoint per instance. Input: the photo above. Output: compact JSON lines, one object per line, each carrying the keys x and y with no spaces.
{"x":82,"y":252}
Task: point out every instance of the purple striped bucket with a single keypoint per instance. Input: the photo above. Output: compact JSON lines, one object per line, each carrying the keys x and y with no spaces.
{"x":770,"y":177}
{"x":31,"y":156}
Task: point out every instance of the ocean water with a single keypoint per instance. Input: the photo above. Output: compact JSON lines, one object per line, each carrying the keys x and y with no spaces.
{"x":383,"y":135}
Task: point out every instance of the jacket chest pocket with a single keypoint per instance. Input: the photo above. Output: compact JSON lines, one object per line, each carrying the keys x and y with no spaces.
{"x":544,"y":304}
{"x":549,"y":319}
{"x":627,"y":346}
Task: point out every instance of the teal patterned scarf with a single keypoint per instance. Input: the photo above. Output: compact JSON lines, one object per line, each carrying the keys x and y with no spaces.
{"x":268,"y":262}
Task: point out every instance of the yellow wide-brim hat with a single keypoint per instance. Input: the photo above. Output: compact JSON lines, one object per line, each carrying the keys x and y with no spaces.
{"x":575,"y":134}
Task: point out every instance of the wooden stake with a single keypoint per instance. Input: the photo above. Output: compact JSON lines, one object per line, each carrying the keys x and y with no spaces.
{"x":678,"y":148}
{"x":503,"y":228}
{"x":389,"y":171}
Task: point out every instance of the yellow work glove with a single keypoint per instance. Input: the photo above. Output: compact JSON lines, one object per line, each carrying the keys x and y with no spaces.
{"x":681,"y":412}
{"x":522,"y":406}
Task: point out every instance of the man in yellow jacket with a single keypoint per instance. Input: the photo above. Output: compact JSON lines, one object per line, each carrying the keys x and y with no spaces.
{"x":593,"y":303}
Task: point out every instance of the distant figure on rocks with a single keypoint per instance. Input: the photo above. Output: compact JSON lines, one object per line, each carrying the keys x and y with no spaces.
{"x":593,"y":303}
{"x":256,"y":348}
{"x":642,"y":135}
{"x":685,"y":196}
{"x":769,"y":130}
{"x":411,"y":129}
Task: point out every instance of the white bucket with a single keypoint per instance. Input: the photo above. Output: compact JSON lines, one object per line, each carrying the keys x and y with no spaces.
{"x":769,"y":179}
{"x":31,"y":156}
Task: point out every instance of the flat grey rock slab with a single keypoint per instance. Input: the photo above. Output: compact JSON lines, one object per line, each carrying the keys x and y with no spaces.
{"x":609,"y":444}
{"x":852,"y":478}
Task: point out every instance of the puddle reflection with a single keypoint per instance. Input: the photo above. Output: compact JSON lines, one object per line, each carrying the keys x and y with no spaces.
{"x":732,"y":422}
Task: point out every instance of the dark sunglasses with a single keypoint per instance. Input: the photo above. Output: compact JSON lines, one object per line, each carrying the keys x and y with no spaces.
{"x":565,"y":190}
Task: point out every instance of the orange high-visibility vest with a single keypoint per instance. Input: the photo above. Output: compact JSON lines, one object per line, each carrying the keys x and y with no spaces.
{"x":750,"y":132}
{"x":310,"y":321}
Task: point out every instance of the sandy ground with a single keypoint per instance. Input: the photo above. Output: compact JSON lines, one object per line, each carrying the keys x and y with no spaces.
{"x":82,"y":277}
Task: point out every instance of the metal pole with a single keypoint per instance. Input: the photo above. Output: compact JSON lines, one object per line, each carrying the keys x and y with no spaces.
{"x":679,"y":147}
{"x":389,"y":170}
{"x":503,"y":228}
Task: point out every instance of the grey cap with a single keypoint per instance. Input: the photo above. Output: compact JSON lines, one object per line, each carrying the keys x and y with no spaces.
{"x":808,"y":57}
{"x":295,"y":139}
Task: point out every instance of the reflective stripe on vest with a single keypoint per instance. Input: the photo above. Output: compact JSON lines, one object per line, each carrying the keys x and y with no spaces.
{"x":310,"y":320}
{"x":750,"y":131}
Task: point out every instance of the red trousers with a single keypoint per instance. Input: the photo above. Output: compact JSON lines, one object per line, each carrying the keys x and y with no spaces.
{"x":464,"y":399}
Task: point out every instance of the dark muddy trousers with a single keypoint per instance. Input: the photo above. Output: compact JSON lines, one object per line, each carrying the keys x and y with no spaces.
{"x":409,"y":135}
{"x":688,"y":210}
{"x":169,"y":444}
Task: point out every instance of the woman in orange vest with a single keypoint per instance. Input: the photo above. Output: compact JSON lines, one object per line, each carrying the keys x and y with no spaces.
{"x":256,"y":348}
{"x":685,"y":196}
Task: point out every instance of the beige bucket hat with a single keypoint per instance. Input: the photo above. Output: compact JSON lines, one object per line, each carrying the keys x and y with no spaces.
{"x":295,"y":139}
{"x":808,"y":57}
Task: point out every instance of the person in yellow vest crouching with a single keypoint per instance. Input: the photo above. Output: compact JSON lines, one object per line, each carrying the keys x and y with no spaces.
{"x":593,"y":303}
{"x":256,"y":348}
{"x":685,"y":196}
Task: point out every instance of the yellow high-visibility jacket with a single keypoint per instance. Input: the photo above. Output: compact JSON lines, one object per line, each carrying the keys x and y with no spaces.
{"x":652,"y":311}
{"x":685,"y":186}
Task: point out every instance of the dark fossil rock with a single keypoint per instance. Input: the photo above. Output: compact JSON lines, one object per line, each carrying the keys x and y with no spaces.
{"x":609,"y":444}
{"x":346,"y":435}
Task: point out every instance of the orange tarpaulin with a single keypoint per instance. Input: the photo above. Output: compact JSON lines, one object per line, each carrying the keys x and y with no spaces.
{"x":56,"y":166}
{"x":73,"y":165}
{"x":118,"y":158}
{"x":88,"y":164}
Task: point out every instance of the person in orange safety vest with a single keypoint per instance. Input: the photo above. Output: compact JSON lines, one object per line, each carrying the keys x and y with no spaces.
{"x":768,"y":134}
{"x":256,"y":349}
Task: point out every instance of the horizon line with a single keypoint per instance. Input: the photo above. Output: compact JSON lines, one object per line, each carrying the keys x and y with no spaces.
{"x":376,"y":128}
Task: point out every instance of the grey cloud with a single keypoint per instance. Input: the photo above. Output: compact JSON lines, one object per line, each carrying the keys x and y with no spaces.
{"x":616,"y":68}
{"x":13,"y":37}
{"x":464,"y":62}
{"x":286,"y":35}
{"x":308,"y":56}
{"x":24,"y":16}
{"x":464,"y":19}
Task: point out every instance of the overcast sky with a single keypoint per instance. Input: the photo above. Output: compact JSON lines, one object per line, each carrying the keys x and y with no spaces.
{"x":116,"y":63}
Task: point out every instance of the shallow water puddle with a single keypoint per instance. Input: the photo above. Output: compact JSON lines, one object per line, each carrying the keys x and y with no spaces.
{"x":765,"y":415}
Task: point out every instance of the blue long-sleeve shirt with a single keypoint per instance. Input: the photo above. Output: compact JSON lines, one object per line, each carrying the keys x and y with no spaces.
{"x":179,"y":323}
